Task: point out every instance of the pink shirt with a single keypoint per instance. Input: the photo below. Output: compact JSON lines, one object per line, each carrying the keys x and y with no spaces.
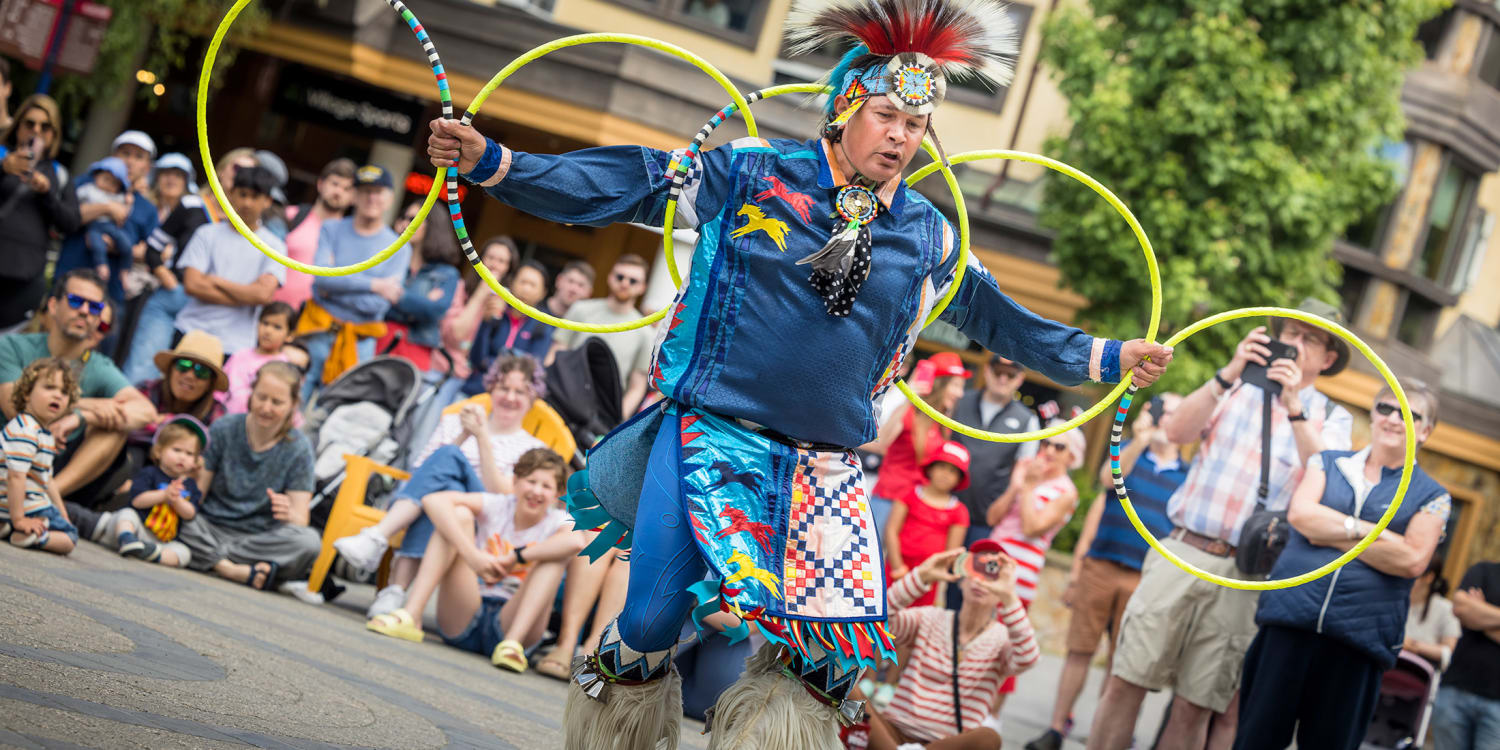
{"x":301,"y":245}
{"x":1030,"y":552}
{"x":241,"y":369}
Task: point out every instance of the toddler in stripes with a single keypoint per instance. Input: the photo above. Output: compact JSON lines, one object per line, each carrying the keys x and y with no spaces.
{"x":32,"y":515}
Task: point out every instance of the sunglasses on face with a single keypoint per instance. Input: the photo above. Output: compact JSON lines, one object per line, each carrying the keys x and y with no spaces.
{"x":41,"y":126}
{"x":202,"y":371}
{"x":1056,"y":446}
{"x":77,"y":303}
{"x":1385,"y":409}
{"x":1004,"y":372}
{"x":623,"y":279}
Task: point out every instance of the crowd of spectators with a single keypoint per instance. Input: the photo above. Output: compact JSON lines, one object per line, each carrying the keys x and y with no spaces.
{"x":191,"y":455}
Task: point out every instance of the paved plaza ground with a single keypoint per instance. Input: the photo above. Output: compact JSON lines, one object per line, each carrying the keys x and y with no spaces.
{"x":102,"y":652}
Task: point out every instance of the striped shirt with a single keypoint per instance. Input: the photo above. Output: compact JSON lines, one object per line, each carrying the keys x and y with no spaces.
{"x":1150,"y":484}
{"x":923,"y":705}
{"x":30,"y":448}
{"x":1030,"y":552}
{"x":1219,"y":493}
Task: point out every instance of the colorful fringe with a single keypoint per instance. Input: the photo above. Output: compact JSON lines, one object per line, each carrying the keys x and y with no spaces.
{"x":589,"y":514}
{"x":851,"y":645}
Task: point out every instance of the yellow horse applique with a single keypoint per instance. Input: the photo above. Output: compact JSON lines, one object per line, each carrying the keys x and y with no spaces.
{"x":776,"y":229}
{"x":746,"y":568}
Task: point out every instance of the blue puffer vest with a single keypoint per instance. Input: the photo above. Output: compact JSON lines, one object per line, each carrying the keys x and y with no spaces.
{"x":1356,"y":604}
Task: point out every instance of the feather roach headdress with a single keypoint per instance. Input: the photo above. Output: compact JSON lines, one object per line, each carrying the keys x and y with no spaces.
{"x":922,"y":43}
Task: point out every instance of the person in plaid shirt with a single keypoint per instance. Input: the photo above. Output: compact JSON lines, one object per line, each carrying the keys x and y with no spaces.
{"x":1186,"y":634}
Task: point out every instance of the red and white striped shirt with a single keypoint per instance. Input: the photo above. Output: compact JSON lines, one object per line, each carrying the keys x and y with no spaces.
{"x":923,"y":705}
{"x":1030,"y":552}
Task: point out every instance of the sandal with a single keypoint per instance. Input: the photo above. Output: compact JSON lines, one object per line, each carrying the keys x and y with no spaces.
{"x":510,"y":655}
{"x":396,"y":624}
{"x":554,"y":667}
{"x":269,"y":571}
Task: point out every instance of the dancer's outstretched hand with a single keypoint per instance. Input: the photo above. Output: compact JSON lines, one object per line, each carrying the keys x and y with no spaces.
{"x":1133,"y":358}
{"x":451,"y":140}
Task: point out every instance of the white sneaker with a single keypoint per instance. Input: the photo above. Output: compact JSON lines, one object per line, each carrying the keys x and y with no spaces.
{"x":388,"y":600}
{"x":363,"y":550}
{"x":299,"y":590}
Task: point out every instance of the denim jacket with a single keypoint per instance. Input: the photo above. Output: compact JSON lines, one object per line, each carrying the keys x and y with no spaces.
{"x":420,"y":312}
{"x":748,"y":336}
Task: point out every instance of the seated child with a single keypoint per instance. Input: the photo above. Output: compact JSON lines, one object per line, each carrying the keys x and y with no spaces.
{"x":108,"y":178}
{"x":167,"y":492}
{"x":518,"y":544}
{"x":33,"y":514}
{"x":272,"y":334}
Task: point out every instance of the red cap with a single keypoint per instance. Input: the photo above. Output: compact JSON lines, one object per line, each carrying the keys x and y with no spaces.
{"x":953,"y":453}
{"x":948,"y":364}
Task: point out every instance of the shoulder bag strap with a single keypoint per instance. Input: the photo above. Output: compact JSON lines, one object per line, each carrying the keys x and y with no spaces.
{"x":958,"y":708}
{"x":1264,"y":490}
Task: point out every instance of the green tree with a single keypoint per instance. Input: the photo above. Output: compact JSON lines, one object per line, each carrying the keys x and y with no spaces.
{"x":1241,"y":133}
{"x":156,"y":35}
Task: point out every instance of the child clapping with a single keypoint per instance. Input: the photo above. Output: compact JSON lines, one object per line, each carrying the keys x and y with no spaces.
{"x":33,"y":514}
{"x":166,"y":492}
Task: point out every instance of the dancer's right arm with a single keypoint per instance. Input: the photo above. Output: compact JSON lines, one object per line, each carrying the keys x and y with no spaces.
{"x":592,"y":187}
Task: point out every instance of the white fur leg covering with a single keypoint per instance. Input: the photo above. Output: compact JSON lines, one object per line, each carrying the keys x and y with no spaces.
{"x":634,"y":717}
{"x":767,"y":710}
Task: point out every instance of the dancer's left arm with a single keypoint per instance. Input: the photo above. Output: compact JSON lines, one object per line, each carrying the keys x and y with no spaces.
{"x":1061,"y":352}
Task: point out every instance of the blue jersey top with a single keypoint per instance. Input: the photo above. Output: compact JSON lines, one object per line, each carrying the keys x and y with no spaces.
{"x":747,"y":336}
{"x":1150,"y":485}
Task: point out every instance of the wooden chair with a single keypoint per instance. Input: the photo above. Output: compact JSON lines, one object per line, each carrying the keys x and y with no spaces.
{"x":349,"y":515}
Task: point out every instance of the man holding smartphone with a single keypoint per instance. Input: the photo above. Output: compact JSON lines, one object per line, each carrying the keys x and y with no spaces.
{"x":1186,"y":634}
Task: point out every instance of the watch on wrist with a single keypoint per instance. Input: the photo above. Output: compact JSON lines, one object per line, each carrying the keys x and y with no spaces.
{"x":1225,"y":384}
{"x":1349,"y":527}
{"x":520,"y":558}
{"x":1300,"y":417}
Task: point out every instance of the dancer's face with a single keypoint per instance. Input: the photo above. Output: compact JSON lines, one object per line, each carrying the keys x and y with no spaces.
{"x":880,"y":140}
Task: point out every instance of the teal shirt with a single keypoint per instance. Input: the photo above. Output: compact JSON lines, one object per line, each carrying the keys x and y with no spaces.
{"x":101,"y":377}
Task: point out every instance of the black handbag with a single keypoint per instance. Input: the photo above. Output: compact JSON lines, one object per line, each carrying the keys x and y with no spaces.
{"x":1265,"y":533}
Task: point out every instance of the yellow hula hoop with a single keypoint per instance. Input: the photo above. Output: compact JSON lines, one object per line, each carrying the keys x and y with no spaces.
{"x":816,"y":88}
{"x":201,"y":114}
{"x":1151,"y":329}
{"x":1406,"y":467}
{"x":573,"y":41}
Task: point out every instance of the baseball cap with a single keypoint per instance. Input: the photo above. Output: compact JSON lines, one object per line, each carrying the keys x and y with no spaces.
{"x":948,"y":364}
{"x":273,"y":164}
{"x":372,"y":175}
{"x":135,"y":138}
{"x":114,"y":166}
{"x":179,"y":162}
{"x":190,"y":422}
{"x":254,"y":178}
{"x":951,"y":452}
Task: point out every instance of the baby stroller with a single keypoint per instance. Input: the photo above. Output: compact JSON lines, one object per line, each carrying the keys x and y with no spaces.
{"x":583,"y":385}
{"x":366,"y":412}
{"x":1402,"y":711}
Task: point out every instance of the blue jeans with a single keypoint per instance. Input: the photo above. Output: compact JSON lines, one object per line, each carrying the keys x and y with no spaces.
{"x":55,"y":521}
{"x":1464,"y":721}
{"x":483,"y":633}
{"x":445,"y":470}
{"x":153,"y":333}
{"x":319,"y":345}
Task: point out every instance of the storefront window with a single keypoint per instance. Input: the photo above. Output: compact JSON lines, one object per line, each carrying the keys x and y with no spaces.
{"x":1369,"y":231}
{"x":736,"y":20}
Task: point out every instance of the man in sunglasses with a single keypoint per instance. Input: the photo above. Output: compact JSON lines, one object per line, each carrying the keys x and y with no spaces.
{"x":993,"y":407}
{"x":1189,"y":635}
{"x":110,"y":408}
{"x":632,"y":349}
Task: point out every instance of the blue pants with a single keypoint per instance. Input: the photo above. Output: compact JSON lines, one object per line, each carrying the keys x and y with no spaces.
{"x":708,"y":667}
{"x":445,"y":470}
{"x":153,"y":333}
{"x":54,"y":518}
{"x":1462,"y":720}
{"x":664,"y":559}
{"x":319,"y":345}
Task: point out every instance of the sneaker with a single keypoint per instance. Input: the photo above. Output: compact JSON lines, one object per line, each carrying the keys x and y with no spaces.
{"x":388,"y":600}
{"x":883,"y":695}
{"x":131,"y":545}
{"x":363,"y":550}
{"x":1052,"y":740}
{"x":299,"y":590}
{"x":4,"y":528}
{"x":103,"y":523}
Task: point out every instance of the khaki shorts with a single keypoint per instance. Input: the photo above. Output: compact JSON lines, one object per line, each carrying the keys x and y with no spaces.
{"x":1103,"y":589}
{"x":1184,"y":633}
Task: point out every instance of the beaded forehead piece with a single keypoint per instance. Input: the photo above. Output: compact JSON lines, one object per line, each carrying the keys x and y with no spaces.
{"x":916,"y":46}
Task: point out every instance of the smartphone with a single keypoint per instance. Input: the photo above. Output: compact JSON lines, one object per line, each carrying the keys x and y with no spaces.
{"x":922,"y":377}
{"x":1256,"y":373}
{"x":1156,"y":408}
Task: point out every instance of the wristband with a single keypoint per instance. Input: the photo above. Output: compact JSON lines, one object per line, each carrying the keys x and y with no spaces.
{"x":520,"y":558}
{"x":1225,"y":384}
{"x":1297,"y":417}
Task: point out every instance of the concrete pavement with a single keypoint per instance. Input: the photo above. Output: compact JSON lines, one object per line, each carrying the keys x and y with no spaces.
{"x":100,"y":651}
